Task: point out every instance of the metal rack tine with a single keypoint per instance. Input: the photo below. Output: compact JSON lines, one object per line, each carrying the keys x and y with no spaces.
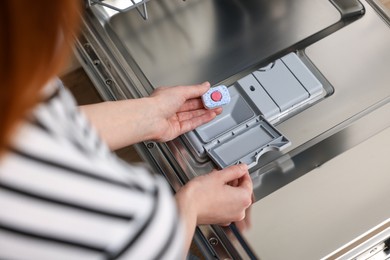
{"x":143,"y":12}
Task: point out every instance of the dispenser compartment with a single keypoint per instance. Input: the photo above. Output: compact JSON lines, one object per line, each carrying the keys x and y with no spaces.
{"x":233,"y":114}
{"x":281,"y":87}
{"x":245,"y":130}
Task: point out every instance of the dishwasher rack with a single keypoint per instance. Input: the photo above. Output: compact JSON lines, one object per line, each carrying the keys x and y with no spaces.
{"x":122,"y":5}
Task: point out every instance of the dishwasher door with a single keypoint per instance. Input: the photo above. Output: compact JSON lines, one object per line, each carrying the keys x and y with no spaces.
{"x":184,"y":43}
{"x":343,"y":43}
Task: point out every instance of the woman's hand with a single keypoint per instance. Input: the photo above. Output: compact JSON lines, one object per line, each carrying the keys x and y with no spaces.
{"x":215,"y":200}
{"x":179,"y":110}
{"x":166,"y":114}
{"x":211,"y":199}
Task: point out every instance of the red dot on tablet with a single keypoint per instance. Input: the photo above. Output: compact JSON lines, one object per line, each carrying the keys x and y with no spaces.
{"x":216,"y":96}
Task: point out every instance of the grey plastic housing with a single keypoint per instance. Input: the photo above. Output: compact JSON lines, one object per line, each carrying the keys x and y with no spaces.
{"x":233,"y":114}
{"x":281,"y":87}
{"x":246,"y":143}
{"x":245,"y":130}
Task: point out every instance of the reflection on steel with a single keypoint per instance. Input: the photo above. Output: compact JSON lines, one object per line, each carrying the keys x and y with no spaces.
{"x":130,"y":5}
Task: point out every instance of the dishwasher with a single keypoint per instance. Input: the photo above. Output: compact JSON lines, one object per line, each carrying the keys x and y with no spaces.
{"x":308,"y":80}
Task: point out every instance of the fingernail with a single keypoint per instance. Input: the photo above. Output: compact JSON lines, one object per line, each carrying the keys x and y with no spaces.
{"x":243,"y":166}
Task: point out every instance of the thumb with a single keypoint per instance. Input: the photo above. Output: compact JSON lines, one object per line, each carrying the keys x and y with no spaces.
{"x":234,"y":172}
{"x":193,"y":91}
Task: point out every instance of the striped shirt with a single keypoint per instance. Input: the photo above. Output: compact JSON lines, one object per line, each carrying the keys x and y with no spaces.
{"x":64,"y":195}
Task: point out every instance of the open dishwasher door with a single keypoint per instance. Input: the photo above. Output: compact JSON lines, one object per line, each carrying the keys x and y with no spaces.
{"x":309,"y":80}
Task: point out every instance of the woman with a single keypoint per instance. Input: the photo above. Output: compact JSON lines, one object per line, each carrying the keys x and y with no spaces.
{"x":63,"y":194}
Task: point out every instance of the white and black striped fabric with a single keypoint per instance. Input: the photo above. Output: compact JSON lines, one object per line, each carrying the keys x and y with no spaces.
{"x":64,"y":195}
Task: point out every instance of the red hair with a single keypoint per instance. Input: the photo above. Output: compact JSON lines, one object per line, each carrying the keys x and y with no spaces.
{"x":35,"y":40}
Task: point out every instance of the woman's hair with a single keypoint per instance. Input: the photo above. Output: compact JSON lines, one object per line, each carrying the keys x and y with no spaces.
{"x":35,"y":40}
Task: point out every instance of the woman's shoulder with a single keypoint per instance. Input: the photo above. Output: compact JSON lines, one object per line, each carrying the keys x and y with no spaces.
{"x":58,"y":168}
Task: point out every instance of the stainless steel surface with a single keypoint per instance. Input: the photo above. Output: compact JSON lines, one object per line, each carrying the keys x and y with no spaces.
{"x":330,"y":205}
{"x":211,"y":45}
{"x":356,"y":64}
{"x":372,"y":245}
{"x":186,"y":42}
{"x":355,"y":61}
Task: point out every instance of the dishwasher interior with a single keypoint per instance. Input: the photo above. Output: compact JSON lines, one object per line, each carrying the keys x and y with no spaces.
{"x":254,"y":47}
{"x":294,"y":70}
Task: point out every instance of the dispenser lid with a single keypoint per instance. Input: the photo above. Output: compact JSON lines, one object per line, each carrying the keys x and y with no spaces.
{"x":246,"y":144}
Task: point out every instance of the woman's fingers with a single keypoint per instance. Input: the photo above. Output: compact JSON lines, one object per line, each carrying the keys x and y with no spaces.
{"x":234,"y":172}
{"x":193,"y":123}
{"x":186,"y":92}
{"x":190,"y":120}
{"x":195,"y":91}
{"x":238,"y":177}
{"x":216,"y":201}
{"x":189,"y":115}
{"x":246,"y":182}
{"x":192,"y":104}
